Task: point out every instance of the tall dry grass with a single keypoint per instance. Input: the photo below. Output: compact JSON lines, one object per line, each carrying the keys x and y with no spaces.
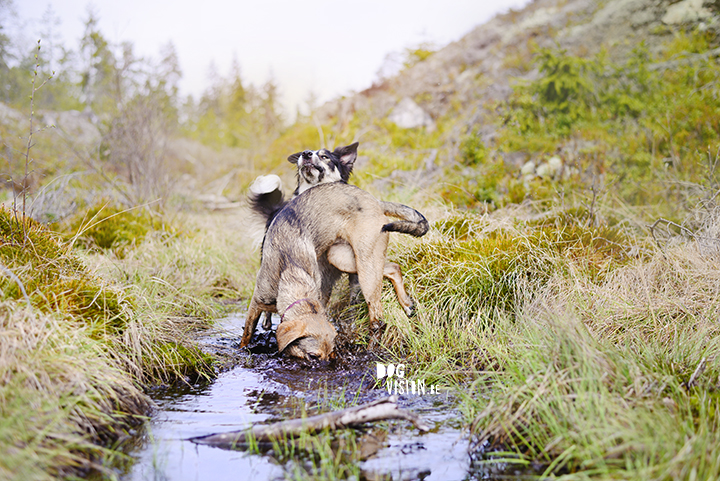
{"x":84,"y":331}
{"x":64,"y":398}
{"x":585,"y":350}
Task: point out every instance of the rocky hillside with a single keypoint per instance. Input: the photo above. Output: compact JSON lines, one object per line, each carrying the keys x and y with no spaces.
{"x":561,"y":95}
{"x":494,"y":53}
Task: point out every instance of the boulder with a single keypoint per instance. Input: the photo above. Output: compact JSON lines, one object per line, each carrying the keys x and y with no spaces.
{"x":409,"y":115}
{"x":551,"y":168}
{"x":685,"y":12}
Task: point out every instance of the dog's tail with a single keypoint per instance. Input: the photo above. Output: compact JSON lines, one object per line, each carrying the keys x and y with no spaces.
{"x":411,"y":221}
{"x":266,"y":197}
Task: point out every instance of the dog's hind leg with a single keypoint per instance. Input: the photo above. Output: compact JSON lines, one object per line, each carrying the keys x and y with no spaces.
{"x":267,"y":322}
{"x":341,"y":256}
{"x":253,"y":314}
{"x":370,"y":276}
{"x":392,"y":271}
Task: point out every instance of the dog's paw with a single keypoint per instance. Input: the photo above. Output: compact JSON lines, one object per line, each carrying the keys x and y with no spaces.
{"x":377,"y":326}
{"x":376,"y":331}
{"x":410,"y":310}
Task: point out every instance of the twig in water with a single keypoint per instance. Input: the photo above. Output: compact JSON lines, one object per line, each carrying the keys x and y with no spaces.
{"x":379,"y":410}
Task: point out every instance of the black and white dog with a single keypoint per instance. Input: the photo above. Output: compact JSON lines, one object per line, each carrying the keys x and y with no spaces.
{"x":313,"y":167}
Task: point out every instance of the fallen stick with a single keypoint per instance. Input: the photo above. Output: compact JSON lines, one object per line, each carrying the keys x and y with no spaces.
{"x":379,"y":410}
{"x":698,"y":370}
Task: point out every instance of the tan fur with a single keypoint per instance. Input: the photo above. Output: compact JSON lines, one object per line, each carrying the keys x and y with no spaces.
{"x":295,"y":264}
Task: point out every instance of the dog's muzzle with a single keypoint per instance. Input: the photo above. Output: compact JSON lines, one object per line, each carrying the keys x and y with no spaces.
{"x":307,"y":164}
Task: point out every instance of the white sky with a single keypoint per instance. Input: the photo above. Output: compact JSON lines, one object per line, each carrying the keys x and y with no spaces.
{"x":329,"y":47}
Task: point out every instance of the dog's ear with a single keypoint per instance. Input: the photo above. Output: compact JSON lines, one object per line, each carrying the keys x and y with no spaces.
{"x":347,"y":154}
{"x":293,"y":159}
{"x":289,"y":331}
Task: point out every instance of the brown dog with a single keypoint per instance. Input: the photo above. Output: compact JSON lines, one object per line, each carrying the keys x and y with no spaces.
{"x":296,"y":273}
{"x":315,"y":167}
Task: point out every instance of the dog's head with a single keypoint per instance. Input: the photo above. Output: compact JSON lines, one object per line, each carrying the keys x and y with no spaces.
{"x":306,"y":333}
{"x":320,"y":166}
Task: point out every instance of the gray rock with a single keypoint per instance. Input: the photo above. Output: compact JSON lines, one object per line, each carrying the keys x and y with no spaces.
{"x":685,"y":12}
{"x":528,"y":168}
{"x":409,"y":115}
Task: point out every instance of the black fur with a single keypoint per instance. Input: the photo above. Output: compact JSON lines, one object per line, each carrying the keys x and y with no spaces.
{"x":340,"y":161}
{"x":267,"y":205}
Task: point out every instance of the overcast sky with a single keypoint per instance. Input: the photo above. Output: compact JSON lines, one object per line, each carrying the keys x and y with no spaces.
{"x":329,"y":47}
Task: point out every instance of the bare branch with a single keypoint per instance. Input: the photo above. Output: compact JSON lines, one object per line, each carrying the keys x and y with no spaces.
{"x":379,"y":410}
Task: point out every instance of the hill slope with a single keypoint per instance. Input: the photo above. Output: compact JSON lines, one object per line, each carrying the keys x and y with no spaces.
{"x":562,"y":95}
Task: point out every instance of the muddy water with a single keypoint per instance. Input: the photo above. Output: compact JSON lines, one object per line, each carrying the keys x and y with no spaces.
{"x":264,"y":387}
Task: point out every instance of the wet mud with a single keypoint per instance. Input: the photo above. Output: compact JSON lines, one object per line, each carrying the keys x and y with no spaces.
{"x":261,"y":386}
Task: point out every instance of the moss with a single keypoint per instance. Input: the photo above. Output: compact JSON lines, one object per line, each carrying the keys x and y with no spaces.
{"x":480,"y":187}
{"x":490,"y":270}
{"x":638,"y":126}
{"x":181,"y":359}
{"x":472,"y":150}
{"x":53,"y":278}
{"x":108,"y":225}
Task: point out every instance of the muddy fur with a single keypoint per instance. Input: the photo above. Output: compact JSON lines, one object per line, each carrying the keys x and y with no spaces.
{"x":323,"y":166}
{"x":329,"y":229}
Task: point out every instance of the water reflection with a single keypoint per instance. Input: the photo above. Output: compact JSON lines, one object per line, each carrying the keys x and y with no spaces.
{"x":265,"y":387}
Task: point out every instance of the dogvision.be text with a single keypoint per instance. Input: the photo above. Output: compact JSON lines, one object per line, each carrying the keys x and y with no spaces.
{"x":397,"y":384}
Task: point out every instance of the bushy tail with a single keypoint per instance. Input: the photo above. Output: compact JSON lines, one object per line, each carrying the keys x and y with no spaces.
{"x":266,"y":197}
{"x":411,"y":221}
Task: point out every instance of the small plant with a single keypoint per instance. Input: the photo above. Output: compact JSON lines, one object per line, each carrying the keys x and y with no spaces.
{"x":29,"y":145}
{"x":472,"y":150}
{"x":418,"y":54}
{"x":110,"y":226}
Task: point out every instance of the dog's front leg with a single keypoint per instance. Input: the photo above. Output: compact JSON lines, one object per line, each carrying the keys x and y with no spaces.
{"x":254,"y":312}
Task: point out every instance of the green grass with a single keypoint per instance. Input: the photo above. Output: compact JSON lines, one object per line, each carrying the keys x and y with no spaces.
{"x":65,"y":400}
{"x":570,"y":333}
{"x":572,"y":345}
{"x":110,"y":226}
{"x":54,"y":278}
{"x":595,"y":382}
{"x":83,"y":332}
{"x":486,"y":265}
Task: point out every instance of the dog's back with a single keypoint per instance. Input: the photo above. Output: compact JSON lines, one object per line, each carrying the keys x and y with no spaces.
{"x":322,"y":216}
{"x":328,"y":212}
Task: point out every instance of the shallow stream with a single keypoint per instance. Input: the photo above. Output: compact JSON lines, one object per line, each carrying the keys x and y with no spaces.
{"x":265,"y":387}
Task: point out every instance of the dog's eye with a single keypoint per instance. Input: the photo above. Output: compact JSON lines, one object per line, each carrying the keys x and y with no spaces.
{"x":313,"y":356}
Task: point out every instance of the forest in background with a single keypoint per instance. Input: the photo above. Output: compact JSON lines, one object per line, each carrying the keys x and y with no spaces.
{"x":133,"y":107}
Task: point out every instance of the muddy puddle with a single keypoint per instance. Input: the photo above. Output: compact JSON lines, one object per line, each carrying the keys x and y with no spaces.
{"x":263,"y":387}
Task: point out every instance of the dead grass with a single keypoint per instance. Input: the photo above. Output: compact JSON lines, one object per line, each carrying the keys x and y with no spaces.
{"x":612,"y":379}
{"x":63,"y":396}
{"x":82,"y":332}
{"x":580,"y":347}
